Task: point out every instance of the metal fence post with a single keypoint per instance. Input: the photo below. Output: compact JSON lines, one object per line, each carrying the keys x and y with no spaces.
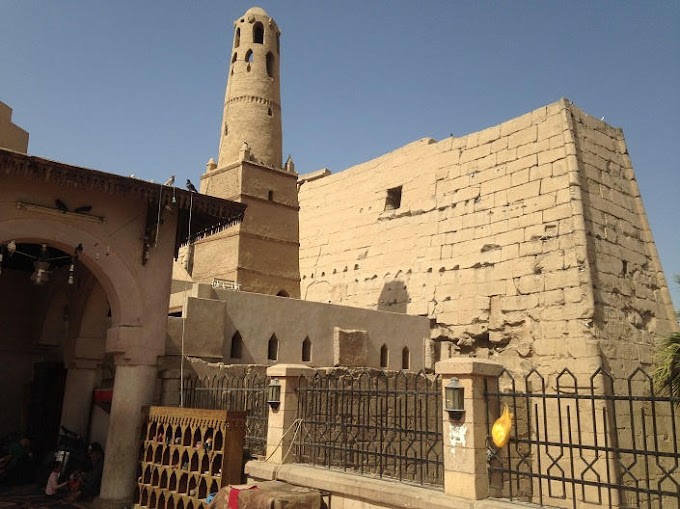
{"x":281,"y":425}
{"x":465,"y":435}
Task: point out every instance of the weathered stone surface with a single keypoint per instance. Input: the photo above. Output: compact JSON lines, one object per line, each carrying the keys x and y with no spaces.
{"x":349,"y":347}
{"x":495,"y":231}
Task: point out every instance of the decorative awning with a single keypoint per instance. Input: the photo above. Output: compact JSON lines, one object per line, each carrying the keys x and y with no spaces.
{"x":208,"y":214}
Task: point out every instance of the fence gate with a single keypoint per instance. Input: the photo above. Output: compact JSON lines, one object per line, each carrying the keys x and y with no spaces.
{"x":374,"y":423}
{"x":587,"y":441}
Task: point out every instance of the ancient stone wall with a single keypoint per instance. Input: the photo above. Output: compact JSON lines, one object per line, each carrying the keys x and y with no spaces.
{"x":487,"y":234}
{"x":630,"y":293}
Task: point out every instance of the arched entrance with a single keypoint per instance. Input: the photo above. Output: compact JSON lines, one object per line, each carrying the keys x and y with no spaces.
{"x":125,"y":232}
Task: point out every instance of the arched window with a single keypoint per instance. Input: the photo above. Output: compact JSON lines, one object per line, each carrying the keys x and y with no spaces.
{"x":249,"y":56}
{"x":236,"y":350}
{"x":273,"y":348}
{"x":270,"y":65}
{"x":384,"y":356}
{"x":405,"y":358}
{"x":233,"y":59}
{"x":258,"y":33}
{"x":237,"y":38}
{"x":306,"y":350}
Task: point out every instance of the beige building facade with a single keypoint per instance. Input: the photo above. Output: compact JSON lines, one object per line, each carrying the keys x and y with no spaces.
{"x":527,"y":242}
{"x":85,"y":269}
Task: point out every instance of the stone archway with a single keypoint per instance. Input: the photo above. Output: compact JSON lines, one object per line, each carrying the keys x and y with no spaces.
{"x":129,"y":230}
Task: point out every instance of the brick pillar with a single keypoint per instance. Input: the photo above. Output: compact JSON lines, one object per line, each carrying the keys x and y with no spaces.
{"x":465,"y":468}
{"x":281,"y":418}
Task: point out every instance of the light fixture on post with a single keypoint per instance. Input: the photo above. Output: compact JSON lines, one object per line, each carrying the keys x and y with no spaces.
{"x":274,"y":393}
{"x":454,"y":396}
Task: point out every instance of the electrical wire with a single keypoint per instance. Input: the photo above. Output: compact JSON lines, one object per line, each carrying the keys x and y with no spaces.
{"x":184,"y":318}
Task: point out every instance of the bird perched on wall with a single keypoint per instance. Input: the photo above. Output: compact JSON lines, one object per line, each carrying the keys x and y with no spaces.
{"x":61,"y":205}
{"x":170,"y":181}
{"x":191,"y":187}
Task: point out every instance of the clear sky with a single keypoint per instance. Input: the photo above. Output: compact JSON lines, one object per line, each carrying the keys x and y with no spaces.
{"x":137,"y":87}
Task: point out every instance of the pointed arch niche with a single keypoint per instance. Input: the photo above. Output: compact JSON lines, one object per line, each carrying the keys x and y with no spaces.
{"x":384,"y":356}
{"x":273,"y":348}
{"x":236,"y":350}
{"x":306,"y":350}
{"x":405,"y":358}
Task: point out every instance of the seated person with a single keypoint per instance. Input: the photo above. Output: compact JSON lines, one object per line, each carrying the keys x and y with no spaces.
{"x":87,"y":484}
{"x":53,"y":486}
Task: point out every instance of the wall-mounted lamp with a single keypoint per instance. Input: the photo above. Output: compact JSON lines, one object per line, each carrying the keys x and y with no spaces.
{"x":274,"y":393}
{"x":454,"y":395}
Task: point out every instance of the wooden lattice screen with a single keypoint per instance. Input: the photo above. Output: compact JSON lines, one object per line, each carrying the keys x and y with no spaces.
{"x":186,"y":454}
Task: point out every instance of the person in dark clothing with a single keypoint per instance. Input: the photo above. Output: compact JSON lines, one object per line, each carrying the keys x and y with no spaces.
{"x":92,"y":479}
{"x":17,"y":466}
{"x":89,"y":483}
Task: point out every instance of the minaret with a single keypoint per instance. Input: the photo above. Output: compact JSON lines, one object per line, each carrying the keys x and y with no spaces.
{"x":252,"y":103}
{"x":261,"y":254}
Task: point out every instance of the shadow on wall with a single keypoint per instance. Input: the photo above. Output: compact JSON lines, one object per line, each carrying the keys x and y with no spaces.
{"x":393,"y":297}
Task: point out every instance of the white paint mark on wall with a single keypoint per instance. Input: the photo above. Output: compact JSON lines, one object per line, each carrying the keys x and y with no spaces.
{"x":457,"y":433}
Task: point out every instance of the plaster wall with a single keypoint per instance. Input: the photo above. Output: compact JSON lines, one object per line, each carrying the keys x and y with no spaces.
{"x":12,"y":136}
{"x":212,"y":323}
{"x":490,"y":240}
{"x":112,"y":251}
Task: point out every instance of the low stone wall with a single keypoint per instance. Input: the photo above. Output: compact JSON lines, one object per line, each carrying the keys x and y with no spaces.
{"x":348,"y":491}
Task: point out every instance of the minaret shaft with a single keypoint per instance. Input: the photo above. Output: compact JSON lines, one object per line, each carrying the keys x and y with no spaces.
{"x":252,"y":103}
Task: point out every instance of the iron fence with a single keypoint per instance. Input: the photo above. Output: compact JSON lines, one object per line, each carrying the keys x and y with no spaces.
{"x":587,"y":441}
{"x":374,"y":423}
{"x":245,"y":392}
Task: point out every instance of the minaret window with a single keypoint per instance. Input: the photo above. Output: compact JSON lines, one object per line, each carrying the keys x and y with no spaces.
{"x":384,"y":356}
{"x":258,"y":33}
{"x":270,"y":65}
{"x":237,"y":38}
{"x":233,"y":59}
{"x":278,"y":44}
{"x":270,"y":195}
{"x":249,"y":56}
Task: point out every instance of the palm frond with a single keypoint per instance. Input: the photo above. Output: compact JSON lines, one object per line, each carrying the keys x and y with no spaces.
{"x":667,"y":374}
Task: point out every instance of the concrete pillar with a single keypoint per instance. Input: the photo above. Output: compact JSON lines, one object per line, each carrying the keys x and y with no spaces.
{"x":133,"y":388}
{"x":283,"y":417}
{"x":80,"y":384}
{"x":465,"y":469}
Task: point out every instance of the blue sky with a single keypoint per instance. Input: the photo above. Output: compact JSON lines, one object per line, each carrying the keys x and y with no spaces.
{"x":137,"y":87}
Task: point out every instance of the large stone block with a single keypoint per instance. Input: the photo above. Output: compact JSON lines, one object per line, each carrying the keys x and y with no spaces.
{"x":349,"y":347}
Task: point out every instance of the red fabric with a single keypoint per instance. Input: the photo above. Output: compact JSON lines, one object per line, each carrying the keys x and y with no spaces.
{"x":103,"y":395}
{"x":233,"y":496}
